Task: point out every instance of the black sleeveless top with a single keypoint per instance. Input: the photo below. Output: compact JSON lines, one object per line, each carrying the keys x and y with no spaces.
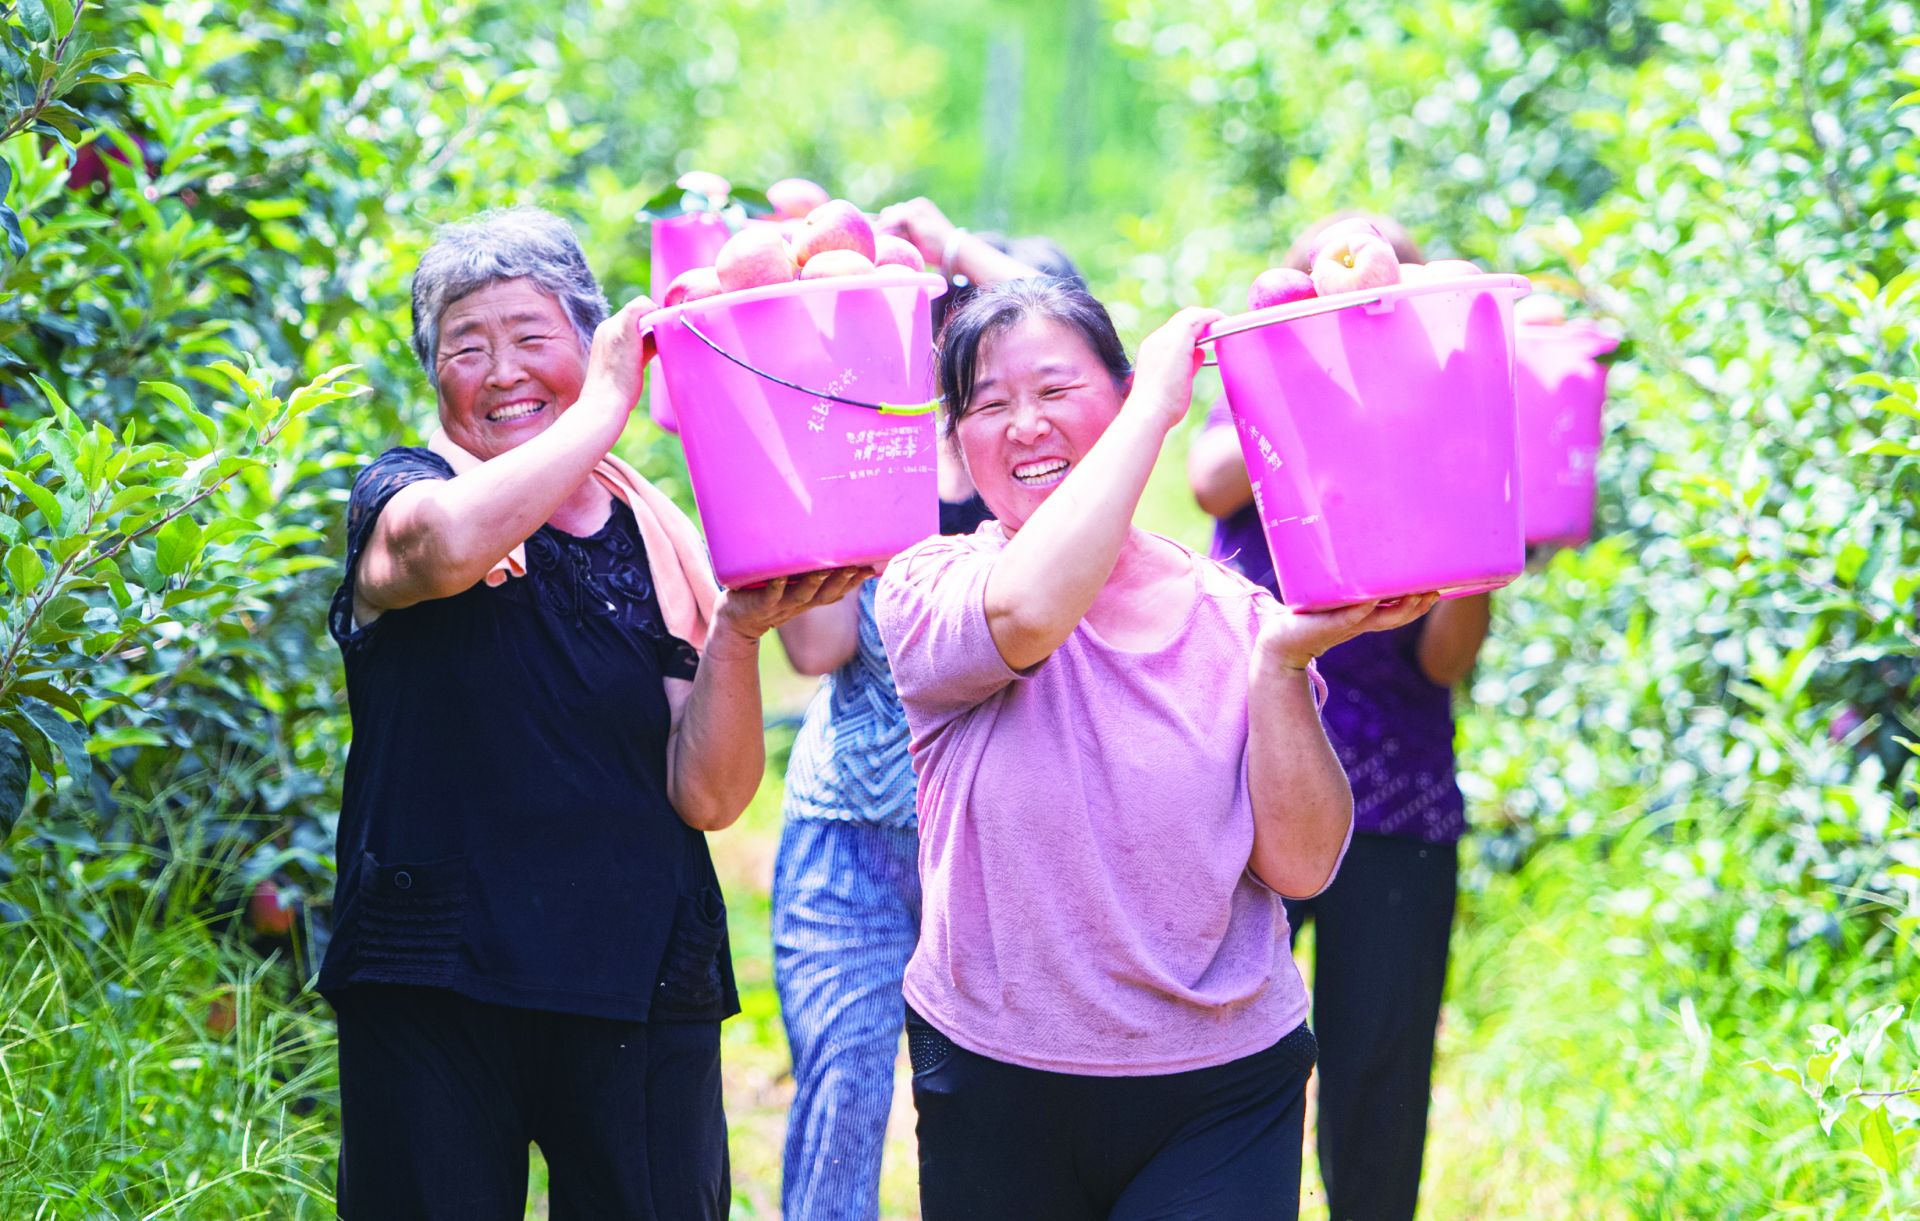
{"x":504,"y":829}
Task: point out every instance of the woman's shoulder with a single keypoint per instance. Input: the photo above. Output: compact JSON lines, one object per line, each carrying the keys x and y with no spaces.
{"x":395,"y":468}
{"x":941,"y":550}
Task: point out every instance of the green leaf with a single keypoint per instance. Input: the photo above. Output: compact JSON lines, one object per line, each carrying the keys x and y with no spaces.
{"x":40,"y":688}
{"x":177,"y":545}
{"x":35,"y":21}
{"x":71,"y":743}
{"x":1877,"y":1142}
{"x":668,"y":203}
{"x":170,"y":392}
{"x":42,"y":499}
{"x":14,"y":773}
{"x":62,"y":13}
{"x":1777,"y":1069}
{"x":16,"y":240}
{"x":24,"y":568}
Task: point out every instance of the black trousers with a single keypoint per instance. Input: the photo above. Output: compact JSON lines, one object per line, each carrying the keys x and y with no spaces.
{"x":440,"y":1097}
{"x":999,"y":1142}
{"x":1380,"y":966}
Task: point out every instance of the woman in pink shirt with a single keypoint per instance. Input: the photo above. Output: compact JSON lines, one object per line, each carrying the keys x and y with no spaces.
{"x":1121,"y":771}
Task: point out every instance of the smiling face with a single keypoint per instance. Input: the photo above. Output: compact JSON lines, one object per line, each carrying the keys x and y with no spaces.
{"x":509,"y":363}
{"x":1041,"y":398}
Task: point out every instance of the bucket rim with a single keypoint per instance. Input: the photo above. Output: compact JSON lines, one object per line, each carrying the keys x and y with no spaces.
{"x":1253,"y":320}
{"x":667,"y":314}
{"x":1583,"y":333}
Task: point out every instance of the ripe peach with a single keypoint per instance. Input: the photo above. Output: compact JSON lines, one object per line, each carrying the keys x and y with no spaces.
{"x":834,"y":225}
{"x":1277,"y":286}
{"x":1351,"y":262}
{"x":1447,"y":269}
{"x":897,"y":251}
{"x":1352,"y":226}
{"x":268,"y":912}
{"x":693,"y":284}
{"x":795,"y":197}
{"x":754,"y":256}
{"x":1540,"y":311}
{"x":836,"y":263}
{"x":700,"y":182}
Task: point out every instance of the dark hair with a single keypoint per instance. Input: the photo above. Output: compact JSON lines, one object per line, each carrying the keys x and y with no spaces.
{"x":1043,"y":254}
{"x":993,"y":310}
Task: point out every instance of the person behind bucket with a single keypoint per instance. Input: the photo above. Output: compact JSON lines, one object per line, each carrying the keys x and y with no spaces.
{"x":551,"y":702}
{"x":1121,"y":769}
{"x":846,"y":894}
{"x":1380,"y":956}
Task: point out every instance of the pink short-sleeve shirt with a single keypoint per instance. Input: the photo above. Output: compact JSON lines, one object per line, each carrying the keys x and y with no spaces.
{"x":1085,"y":831}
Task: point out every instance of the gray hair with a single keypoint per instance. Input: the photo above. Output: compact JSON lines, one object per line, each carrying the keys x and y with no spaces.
{"x":505,"y":244}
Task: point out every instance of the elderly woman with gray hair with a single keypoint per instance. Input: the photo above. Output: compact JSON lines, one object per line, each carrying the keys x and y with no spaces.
{"x":551,"y":703}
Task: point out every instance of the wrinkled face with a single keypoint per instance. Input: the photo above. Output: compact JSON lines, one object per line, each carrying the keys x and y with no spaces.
{"x":1041,"y":399}
{"x":509,"y":363}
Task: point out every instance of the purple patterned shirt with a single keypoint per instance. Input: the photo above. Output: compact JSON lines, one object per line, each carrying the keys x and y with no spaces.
{"x":1391,"y":726}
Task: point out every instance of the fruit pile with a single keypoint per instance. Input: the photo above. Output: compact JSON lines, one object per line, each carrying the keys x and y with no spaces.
{"x":1350,"y":256}
{"x":810,"y":237}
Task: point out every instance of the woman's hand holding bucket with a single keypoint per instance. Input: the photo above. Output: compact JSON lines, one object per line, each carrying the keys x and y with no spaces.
{"x":1169,"y":359}
{"x":1293,"y":638}
{"x":751,"y":613}
{"x":617,"y":362}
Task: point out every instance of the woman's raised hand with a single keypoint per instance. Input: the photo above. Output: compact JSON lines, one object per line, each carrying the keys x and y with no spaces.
{"x":1169,"y":358}
{"x":752,"y":613}
{"x":921,"y":222}
{"x":1294,"y":638}
{"x":616,"y":362}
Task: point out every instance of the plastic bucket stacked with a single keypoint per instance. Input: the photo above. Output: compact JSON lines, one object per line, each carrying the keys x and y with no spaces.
{"x":1379,"y":431}
{"x":1560,"y":386}
{"x":678,"y":244}
{"x":805,"y":413}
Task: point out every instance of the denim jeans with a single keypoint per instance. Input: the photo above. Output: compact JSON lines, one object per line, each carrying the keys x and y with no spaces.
{"x":846,"y":915}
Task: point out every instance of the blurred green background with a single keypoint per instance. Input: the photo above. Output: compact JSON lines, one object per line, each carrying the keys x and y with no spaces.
{"x":1685,"y":969}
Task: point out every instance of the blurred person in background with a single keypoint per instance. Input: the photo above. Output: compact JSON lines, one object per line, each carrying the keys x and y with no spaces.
{"x":1382,"y":928}
{"x":846,"y":891}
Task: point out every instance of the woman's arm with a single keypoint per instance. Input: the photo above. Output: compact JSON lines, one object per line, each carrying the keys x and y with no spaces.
{"x":1302,"y":807}
{"x":823,"y":639}
{"x":1218,"y":473}
{"x":716,"y":753}
{"x":947,"y":248}
{"x":439,"y":537}
{"x":1450,"y":642}
{"x":1043,"y":583}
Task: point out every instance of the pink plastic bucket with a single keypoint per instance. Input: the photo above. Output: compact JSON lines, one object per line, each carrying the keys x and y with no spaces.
{"x":1559,"y":385}
{"x":789,"y":474}
{"x":1378,"y":428}
{"x":679,"y":244}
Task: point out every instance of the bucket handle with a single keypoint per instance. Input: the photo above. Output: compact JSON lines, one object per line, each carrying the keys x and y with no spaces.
{"x":1210,"y":336}
{"x":926,"y":408}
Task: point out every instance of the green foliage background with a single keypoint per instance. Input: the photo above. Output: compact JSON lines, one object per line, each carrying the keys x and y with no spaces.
{"x":1685,"y":976}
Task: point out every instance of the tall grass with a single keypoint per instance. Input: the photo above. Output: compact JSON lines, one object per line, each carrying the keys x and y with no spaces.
{"x":1603,"y":1006}
{"x":151,"y":1065}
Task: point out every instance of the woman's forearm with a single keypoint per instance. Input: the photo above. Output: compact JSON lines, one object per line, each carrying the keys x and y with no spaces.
{"x":1302,"y":807}
{"x":1044,"y":582}
{"x":1450,"y":642}
{"x":823,"y":639}
{"x":439,"y":537}
{"x":984,"y":265}
{"x":1217,"y":473}
{"x":717,"y":753}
